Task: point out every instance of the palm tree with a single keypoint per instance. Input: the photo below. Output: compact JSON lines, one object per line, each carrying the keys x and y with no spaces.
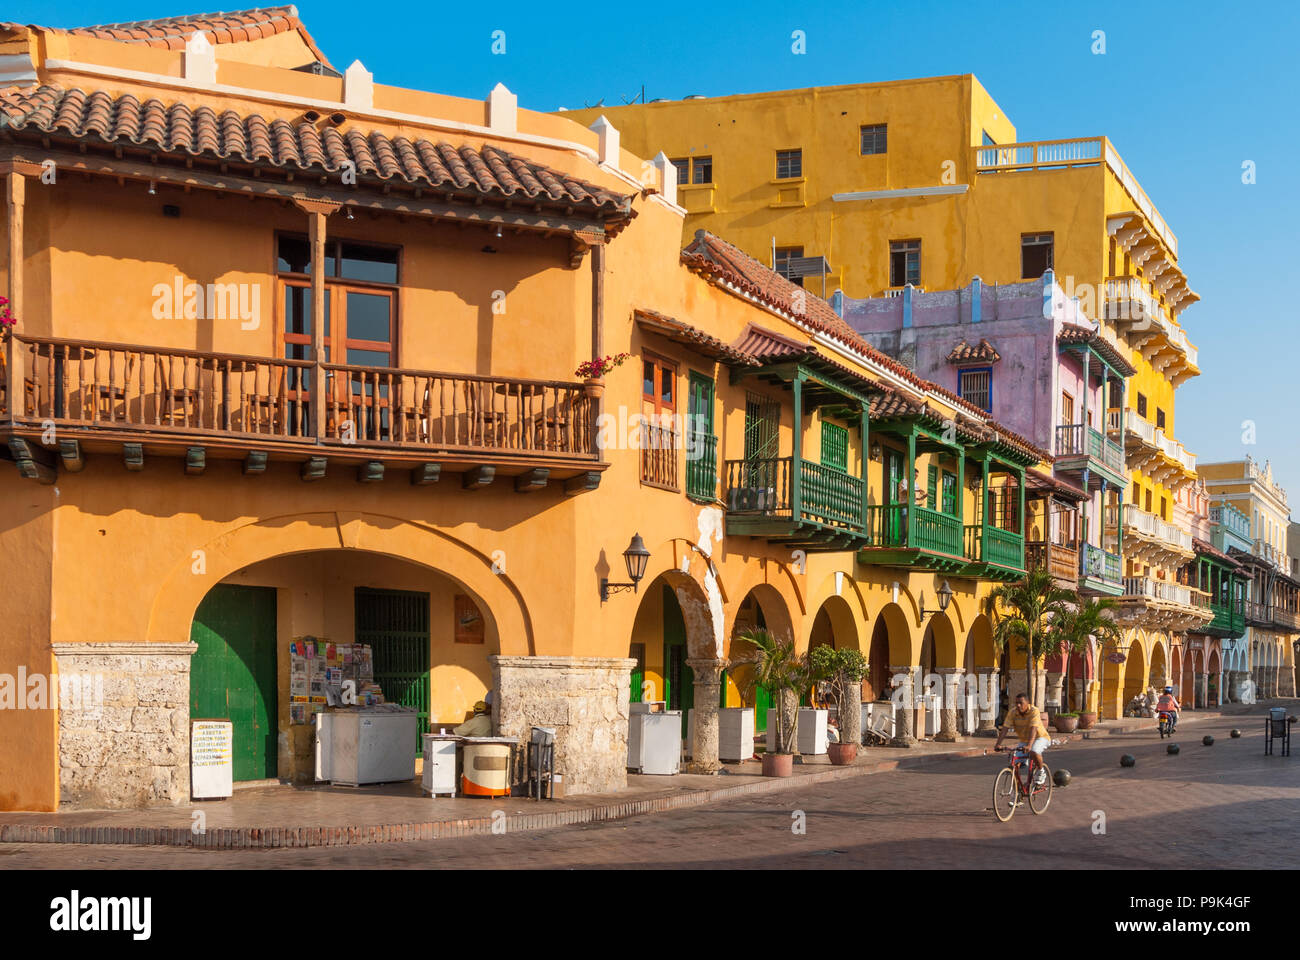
{"x":775,"y":666}
{"x":1030,"y":607}
{"x":1086,"y":620}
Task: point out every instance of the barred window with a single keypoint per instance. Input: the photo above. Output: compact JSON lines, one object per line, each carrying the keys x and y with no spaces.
{"x":789,"y":164}
{"x":873,"y":138}
{"x":976,"y":386}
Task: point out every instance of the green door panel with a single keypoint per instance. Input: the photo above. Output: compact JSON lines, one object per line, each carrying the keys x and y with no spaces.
{"x":679,"y":678}
{"x":232,"y":674}
{"x":395,"y":623}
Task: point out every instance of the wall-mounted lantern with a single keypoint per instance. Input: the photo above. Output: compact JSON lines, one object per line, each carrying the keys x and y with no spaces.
{"x":636,"y":556}
{"x":945,"y":598}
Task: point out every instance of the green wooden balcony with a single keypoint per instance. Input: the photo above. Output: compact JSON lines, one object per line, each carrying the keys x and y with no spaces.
{"x":994,"y":553}
{"x":822,"y":511}
{"x":702,"y":466}
{"x":900,"y":536}
{"x":1229,"y":619}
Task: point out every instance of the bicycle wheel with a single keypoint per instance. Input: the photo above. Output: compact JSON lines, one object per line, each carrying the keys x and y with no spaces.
{"x":1006,"y":793}
{"x":1040,"y":797}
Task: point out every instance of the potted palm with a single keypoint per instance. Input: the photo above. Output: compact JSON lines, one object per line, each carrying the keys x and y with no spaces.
{"x":1087,"y":620}
{"x":774,"y":665}
{"x":1026,"y":611}
{"x":843,"y":672}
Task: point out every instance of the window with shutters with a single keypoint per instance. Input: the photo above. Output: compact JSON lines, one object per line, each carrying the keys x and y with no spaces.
{"x":950,"y":493}
{"x":904,"y":263}
{"x":835,"y":446}
{"x":976,"y":386}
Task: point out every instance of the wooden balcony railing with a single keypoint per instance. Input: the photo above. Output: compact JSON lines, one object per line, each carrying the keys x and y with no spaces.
{"x":126,"y":388}
{"x":1060,"y":561}
{"x":986,"y":543}
{"x":1229,"y":617}
{"x":827,"y":496}
{"x":1080,"y":439}
{"x":895,"y":525}
{"x":659,"y":455}
{"x":702,"y":466}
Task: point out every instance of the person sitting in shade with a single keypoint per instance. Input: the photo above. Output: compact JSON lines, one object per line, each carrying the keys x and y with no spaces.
{"x":832,"y":730}
{"x":479,"y":725}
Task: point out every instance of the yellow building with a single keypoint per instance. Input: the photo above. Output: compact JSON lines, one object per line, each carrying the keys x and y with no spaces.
{"x":869,"y":188}
{"x":300,"y":354}
{"x":1267,"y":653}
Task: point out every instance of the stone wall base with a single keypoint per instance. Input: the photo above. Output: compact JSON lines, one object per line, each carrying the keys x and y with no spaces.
{"x":585,"y":700}
{"x":127,"y":744}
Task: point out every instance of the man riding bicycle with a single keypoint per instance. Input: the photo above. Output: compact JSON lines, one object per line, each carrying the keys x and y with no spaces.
{"x":1031,"y":733}
{"x":1168,"y":703}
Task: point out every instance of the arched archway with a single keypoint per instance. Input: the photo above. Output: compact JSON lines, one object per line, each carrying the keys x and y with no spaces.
{"x":1159,"y":674}
{"x":762,"y":608}
{"x":283,"y":637}
{"x":1214,"y":679}
{"x":891,"y":646}
{"x":1136,"y":673}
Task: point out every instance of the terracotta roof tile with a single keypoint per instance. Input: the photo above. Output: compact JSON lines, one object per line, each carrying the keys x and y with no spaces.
{"x":235,"y":27}
{"x":765,"y":345}
{"x":692,"y":337}
{"x":98,"y":118}
{"x":965,"y":353}
{"x":1073,"y":333}
{"x":1210,"y":550}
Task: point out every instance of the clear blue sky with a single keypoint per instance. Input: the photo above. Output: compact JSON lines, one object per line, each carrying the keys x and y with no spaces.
{"x":1186,"y":91}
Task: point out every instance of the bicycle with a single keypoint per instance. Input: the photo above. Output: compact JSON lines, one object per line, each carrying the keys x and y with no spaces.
{"x":1166,"y":724}
{"x":1014,"y":784}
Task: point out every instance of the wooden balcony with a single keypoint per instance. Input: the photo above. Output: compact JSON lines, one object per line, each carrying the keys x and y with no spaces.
{"x":824,"y":513}
{"x":994,"y":553}
{"x":900,"y":536}
{"x":136,"y":400}
{"x":1060,"y":561}
{"x":1080,"y":447}
{"x":1229,"y":619}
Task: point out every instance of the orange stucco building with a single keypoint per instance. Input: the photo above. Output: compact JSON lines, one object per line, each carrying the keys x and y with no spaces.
{"x":295,"y":355}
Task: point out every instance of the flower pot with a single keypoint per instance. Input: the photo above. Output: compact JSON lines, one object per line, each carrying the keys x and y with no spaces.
{"x":1087,"y":721}
{"x":778,"y":764}
{"x":841,"y":754}
{"x":594,"y":388}
{"x":1065,"y":724}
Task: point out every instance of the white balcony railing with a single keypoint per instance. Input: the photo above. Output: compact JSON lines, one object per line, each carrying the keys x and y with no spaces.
{"x":1164,"y":590}
{"x":1148,"y":524}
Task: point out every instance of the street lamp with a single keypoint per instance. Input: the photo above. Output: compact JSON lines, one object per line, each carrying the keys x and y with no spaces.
{"x":945,"y":598}
{"x":636,"y":556}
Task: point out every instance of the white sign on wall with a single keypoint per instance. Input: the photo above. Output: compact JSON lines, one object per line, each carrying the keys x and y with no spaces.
{"x":211,"y":759}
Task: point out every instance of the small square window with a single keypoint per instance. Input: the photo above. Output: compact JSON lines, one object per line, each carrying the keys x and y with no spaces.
{"x":1036,"y":250}
{"x":873,"y":138}
{"x":789,"y":164}
{"x":702,"y":168}
{"x":905,"y":263}
{"x":1142,"y":406}
{"x":1160,"y":418}
{"x":683,"y":165}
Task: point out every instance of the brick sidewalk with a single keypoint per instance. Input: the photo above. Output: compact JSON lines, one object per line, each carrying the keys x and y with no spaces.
{"x":276,"y":816}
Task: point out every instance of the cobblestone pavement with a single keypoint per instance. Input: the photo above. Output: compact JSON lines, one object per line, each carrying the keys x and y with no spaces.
{"x":1225,"y":805}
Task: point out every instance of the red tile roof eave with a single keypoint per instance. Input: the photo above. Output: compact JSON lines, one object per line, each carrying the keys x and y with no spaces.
{"x":98,"y":118}
{"x":1208,"y":549}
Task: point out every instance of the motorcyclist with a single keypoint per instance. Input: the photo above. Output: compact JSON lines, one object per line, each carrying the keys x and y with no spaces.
{"x":1168,"y":703}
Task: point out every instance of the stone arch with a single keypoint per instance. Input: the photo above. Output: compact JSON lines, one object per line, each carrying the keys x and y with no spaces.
{"x":497,"y":595}
{"x":1136,"y":673}
{"x":773,"y":586}
{"x":1158,"y":670}
{"x":839,"y":598}
{"x":891,"y":645}
{"x":834,"y":623}
{"x":942,"y":640}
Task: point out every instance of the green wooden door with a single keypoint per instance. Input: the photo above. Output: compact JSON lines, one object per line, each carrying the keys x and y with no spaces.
{"x":895,"y":533}
{"x":679,"y":678}
{"x":638,"y":673}
{"x":702,"y":459}
{"x":395,"y":623}
{"x":232,"y":674}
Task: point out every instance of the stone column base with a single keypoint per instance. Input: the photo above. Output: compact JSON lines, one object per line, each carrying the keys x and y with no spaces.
{"x":127,"y":743}
{"x":584,"y":699}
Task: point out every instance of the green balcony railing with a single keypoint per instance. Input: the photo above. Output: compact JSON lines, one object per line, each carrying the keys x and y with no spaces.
{"x":830,"y":496}
{"x":1228,"y":617}
{"x":989,"y":544}
{"x":702,"y":466}
{"x":1079,"y":439}
{"x":935,"y":531}
{"x":827,"y":496}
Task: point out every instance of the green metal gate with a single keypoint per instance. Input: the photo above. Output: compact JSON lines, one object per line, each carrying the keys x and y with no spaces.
{"x":679,"y":678}
{"x":395,"y":623}
{"x":232,"y":674}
